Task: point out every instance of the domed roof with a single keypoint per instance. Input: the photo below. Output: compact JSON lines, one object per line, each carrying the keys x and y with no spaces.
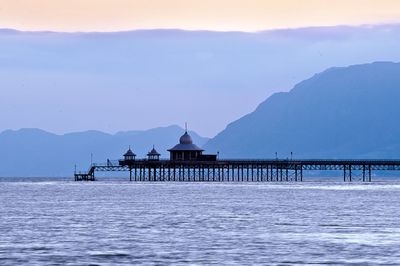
{"x":186,"y":139}
{"x":185,"y":144}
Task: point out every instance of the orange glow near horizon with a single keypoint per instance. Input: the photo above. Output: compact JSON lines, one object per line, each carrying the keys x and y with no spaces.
{"x":219,"y":15}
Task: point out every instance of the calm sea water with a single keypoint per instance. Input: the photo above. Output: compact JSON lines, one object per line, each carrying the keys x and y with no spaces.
{"x":111,"y":223}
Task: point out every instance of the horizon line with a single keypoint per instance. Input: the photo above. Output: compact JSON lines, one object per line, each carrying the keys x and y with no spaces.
{"x":363,"y":25}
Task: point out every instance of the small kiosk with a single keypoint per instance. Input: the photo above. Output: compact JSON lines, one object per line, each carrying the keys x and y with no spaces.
{"x":153,"y":155}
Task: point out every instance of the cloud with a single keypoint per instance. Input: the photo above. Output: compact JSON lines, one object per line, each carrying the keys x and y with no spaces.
{"x":222,"y":15}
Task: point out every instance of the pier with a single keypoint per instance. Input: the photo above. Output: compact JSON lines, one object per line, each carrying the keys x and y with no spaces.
{"x":187,"y":163}
{"x":238,"y":170}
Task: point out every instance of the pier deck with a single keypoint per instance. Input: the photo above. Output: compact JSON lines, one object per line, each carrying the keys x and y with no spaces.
{"x":238,"y":170}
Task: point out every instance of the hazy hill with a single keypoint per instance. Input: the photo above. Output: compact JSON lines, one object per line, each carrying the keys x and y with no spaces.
{"x":350,"y":112}
{"x":33,"y":152}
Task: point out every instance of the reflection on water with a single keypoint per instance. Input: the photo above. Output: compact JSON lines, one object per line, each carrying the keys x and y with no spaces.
{"x":180,"y":223}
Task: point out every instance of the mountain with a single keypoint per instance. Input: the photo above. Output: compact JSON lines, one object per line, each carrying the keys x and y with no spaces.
{"x":34,"y":152}
{"x":148,"y":77}
{"x":350,"y":112}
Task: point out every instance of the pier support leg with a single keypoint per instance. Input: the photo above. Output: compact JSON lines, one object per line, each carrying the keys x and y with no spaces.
{"x":287,"y":174}
{"x":271,"y":176}
{"x":135,"y":173}
{"x":369,"y":173}
{"x":257,"y":173}
{"x":350,"y":172}
{"x":301,"y":173}
{"x":213,"y":175}
{"x":363,"y":178}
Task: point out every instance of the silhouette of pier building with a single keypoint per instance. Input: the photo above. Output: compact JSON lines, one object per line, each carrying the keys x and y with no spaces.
{"x":153,"y":155}
{"x":185,"y":150}
{"x":187,"y":163}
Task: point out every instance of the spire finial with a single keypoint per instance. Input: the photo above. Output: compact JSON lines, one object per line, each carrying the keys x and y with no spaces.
{"x":186,"y":127}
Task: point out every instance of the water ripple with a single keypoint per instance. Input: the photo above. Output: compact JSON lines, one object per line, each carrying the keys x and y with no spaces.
{"x":66,"y":223}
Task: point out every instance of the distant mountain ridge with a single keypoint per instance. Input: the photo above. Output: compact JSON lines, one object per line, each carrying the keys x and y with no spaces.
{"x":34,"y":152}
{"x":350,"y":112}
{"x":153,"y":72}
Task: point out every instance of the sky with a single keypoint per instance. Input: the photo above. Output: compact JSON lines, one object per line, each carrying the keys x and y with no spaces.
{"x":220,"y":15}
{"x":66,"y":82}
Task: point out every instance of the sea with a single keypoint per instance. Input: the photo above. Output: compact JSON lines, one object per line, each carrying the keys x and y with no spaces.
{"x":61,"y":222}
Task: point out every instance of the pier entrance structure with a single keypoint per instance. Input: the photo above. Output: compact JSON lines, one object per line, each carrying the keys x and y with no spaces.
{"x":187,"y":163}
